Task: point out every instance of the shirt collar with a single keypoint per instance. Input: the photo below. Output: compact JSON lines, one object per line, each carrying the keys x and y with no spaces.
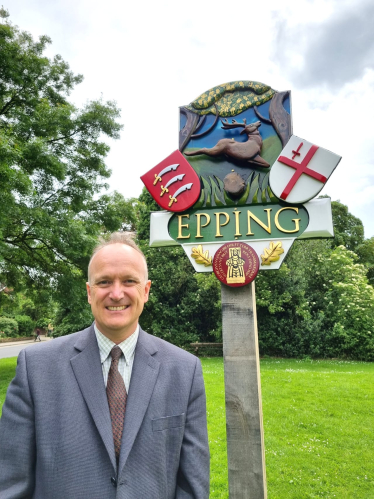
{"x":127,"y":346}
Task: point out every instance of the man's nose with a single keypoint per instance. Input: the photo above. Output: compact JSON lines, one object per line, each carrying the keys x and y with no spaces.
{"x":116,"y":291}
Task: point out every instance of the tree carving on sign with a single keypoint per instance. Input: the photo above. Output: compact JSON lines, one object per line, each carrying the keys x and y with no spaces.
{"x":215,"y":151}
{"x":231,"y":99}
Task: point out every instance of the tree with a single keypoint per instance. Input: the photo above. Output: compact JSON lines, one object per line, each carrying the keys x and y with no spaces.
{"x":290,"y":304}
{"x":348,"y":229}
{"x":318,"y":304}
{"x":365,"y":253}
{"x":52,"y":169}
{"x":349,"y":309}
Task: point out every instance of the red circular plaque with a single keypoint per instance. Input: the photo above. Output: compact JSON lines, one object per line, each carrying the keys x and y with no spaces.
{"x":236,"y":264}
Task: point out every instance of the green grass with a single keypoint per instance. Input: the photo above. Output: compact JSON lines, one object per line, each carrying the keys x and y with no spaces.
{"x":7,"y":372}
{"x":319,"y":427}
{"x":214,"y":385}
{"x":318,"y":424}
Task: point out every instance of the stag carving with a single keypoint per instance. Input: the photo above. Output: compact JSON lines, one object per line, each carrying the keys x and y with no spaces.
{"x":248,"y":151}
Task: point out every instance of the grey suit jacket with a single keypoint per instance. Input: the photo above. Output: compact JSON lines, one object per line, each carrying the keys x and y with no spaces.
{"x":55,"y":432}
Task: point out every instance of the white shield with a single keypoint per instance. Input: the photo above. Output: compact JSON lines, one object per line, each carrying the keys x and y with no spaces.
{"x":301,"y":170}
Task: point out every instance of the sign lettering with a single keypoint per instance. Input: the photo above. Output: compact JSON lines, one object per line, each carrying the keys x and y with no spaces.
{"x":254,"y":222}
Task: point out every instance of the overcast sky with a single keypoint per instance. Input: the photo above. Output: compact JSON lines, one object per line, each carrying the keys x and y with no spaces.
{"x":152,"y":57}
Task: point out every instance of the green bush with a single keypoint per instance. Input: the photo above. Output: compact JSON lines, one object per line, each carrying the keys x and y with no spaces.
{"x":318,"y":304}
{"x":72,"y":324}
{"x":43,"y":322}
{"x":26,"y":325}
{"x":9,"y":327}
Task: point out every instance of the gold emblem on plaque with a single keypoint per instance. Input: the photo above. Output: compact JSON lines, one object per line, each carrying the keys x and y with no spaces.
{"x":272,"y":254}
{"x":201,"y":256}
{"x":235,"y":266}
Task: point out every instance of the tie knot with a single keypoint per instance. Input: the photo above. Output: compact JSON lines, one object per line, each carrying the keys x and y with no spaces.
{"x":116,"y":353}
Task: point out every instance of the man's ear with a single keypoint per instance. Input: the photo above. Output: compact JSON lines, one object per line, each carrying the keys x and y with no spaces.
{"x":88,"y":292}
{"x":146,"y":291}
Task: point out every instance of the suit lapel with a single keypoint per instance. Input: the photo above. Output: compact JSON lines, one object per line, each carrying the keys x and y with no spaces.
{"x":88,"y":372}
{"x":143,"y":378}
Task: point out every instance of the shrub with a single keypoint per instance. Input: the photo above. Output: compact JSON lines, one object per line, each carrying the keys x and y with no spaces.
{"x":72,"y":324}
{"x":9,"y":327}
{"x":43,"y":323}
{"x":26,"y":325}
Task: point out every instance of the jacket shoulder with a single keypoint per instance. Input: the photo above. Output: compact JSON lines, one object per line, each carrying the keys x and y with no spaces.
{"x":61,"y":345}
{"x":165,"y":349}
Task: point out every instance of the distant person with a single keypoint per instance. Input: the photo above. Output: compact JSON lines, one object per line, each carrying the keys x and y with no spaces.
{"x":37,"y":337}
{"x":120,"y":413}
{"x":49,"y":330}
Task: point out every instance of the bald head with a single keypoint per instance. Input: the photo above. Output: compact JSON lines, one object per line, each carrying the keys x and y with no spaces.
{"x":124,"y":238}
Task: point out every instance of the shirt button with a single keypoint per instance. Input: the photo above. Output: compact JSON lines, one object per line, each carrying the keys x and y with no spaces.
{"x":114,"y":481}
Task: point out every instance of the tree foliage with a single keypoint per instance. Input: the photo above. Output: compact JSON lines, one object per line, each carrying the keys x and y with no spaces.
{"x":348,"y":229}
{"x":52,"y":171}
{"x":8,"y":327}
{"x":349,"y":306}
{"x":365,"y":253}
{"x":319,"y":304}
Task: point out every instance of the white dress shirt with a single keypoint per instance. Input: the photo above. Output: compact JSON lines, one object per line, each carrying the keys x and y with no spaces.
{"x":126,"y":360}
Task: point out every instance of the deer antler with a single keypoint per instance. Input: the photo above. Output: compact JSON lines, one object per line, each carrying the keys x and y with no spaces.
{"x":233,"y":124}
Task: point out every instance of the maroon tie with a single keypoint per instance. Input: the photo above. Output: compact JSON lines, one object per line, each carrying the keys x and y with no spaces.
{"x":117,"y":395}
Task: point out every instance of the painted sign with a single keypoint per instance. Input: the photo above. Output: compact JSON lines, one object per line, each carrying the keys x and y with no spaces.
{"x":254,"y":180}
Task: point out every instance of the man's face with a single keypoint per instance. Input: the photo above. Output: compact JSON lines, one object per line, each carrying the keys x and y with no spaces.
{"x":117,"y":290}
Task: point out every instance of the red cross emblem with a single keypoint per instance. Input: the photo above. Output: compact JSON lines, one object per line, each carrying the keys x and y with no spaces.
{"x":301,"y":170}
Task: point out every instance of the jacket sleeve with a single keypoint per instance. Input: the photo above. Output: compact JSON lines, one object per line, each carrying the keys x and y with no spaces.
{"x":193,"y":474}
{"x":17,"y":438}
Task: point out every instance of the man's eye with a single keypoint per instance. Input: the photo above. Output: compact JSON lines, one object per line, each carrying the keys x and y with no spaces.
{"x":103,"y":283}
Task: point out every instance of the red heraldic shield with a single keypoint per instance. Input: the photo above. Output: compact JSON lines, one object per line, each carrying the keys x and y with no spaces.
{"x":173,"y":183}
{"x":301,"y":170}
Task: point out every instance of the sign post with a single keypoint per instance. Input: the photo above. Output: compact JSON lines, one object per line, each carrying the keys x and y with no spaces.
{"x":244,"y":427}
{"x":236,"y":194}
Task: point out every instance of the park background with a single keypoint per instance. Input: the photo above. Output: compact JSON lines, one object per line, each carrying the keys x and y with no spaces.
{"x":55,"y":165}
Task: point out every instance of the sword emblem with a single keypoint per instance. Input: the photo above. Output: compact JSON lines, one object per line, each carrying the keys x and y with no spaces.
{"x":158,"y":177}
{"x":173,"y":198}
{"x":171,"y":181}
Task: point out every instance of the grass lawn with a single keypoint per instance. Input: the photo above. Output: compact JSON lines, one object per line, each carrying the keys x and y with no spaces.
{"x":319,"y":427}
{"x":7,"y":372}
{"x":318,"y":423}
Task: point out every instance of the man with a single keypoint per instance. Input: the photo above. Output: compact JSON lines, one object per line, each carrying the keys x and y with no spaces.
{"x":120,"y":413}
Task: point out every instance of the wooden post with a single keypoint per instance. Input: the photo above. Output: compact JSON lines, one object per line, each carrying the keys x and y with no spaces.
{"x":245,"y":436}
